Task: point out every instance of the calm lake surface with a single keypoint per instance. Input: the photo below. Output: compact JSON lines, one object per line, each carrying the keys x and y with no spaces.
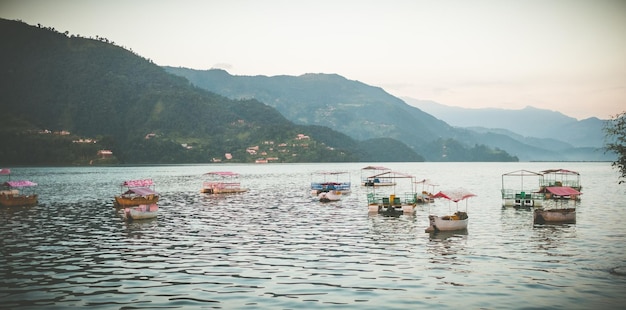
{"x":276,"y":247}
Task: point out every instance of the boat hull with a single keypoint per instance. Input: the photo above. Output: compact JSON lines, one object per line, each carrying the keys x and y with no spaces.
{"x":565,"y":215}
{"x":446,"y":223}
{"x":223,"y":190}
{"x":123,"y":201}
{"x":329,"y":196}
{"x":15,"y":200}
{"x":141,"y":212}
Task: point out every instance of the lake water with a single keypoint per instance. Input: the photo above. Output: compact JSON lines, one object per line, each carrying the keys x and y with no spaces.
{"x":276,"y":247}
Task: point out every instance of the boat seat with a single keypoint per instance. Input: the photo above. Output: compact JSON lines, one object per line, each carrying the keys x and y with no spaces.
{"x":396,"y":201}
{"x":385,"y":201}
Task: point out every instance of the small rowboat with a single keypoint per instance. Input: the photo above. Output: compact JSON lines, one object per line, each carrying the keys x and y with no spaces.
{"x":457,"y":221}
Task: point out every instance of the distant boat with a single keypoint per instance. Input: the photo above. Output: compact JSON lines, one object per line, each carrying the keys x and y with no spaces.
{"x":375,"y":170}
{"x":521,"y":189}
{"x":456,"y":221}
{"x":12,"y":195}
{"x":560,"y":178}
{"x":330,"y":190}
{"x":138,"y":192}
{"x":222,"y":182}
{"x":396,"y":199}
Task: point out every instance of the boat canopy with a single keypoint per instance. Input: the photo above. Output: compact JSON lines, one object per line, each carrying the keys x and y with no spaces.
{"x":141,"y":191}
{"x":5,"y":171}
{"x":560,"y":171}
{"x":375,"y":168}
{"x":223,"y":173}
{"x":562,"y":191}
{"x":522,"y":173}
{"x":23,"y":183}
{"x":392,"y":175}
{"x":138,"y":183}
{"x":455,"y":195}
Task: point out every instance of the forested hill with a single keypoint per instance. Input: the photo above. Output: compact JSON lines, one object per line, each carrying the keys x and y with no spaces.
{"x":95,"y":90}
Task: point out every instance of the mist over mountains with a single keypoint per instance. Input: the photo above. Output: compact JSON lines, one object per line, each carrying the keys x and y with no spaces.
{"x":527,"y":122}
{"x":363,"y":111}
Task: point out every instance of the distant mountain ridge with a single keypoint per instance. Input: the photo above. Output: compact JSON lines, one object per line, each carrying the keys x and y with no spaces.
{"x":362,"y":111}
{"x":528,"y":122}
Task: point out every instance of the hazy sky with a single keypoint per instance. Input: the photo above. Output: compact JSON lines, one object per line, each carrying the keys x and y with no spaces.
{"x":562,"y":55}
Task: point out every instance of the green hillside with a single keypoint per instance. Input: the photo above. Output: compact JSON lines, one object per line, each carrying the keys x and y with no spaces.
{"x":56,"y":89}
{"x":358,"y":110}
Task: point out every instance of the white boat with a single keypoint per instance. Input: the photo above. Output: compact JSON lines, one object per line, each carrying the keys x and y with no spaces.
{"x":521,"y":189}
{"x":141,"y":212}
{"x":399,"y":198}
{"x":456,"y":221}
{"x":328,"y":196}
{"x":222,"y":182}
{"x":376,"y":181}
{"x":328,"y":190}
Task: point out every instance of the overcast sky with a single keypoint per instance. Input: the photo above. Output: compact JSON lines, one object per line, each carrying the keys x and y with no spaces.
{"x":562,"y":55}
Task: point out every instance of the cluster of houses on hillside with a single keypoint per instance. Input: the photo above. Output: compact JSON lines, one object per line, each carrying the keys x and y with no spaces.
{"x":268,"y":148}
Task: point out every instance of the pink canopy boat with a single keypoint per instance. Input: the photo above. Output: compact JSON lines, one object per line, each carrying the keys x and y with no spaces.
{"x":11,"y":195}
{"x":137,"y":192}
{"x":222,"y":182}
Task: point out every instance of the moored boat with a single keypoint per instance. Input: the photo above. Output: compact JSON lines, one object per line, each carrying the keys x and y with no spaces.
{"x":399,"y":198}
{"x":456,"y":221}
{"x":426,"y":196}
{"x":137,"y":192}
{"x":141,"y":212}
{"x":561,"y":208}
{"x":13,"y":193}
{"x":564,"y":215}
{"x":375,"y":170}
{"x":554,"y":178}
{"x":328,"y":190}
{"x":222,"y":182}
{"x":521,"y":189}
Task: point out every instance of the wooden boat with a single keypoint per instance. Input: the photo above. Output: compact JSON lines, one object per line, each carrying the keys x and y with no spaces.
{"x":12,"y":196}
{"x":399,"y":198}
{"x":558,"y":209}
{"x":218,"y":184}
{"x":456,"y":221}
{"x":521,"y":189}
{"x":564,"y":215}
{"x":374,"y":170}
{"x":141,"y":212}
{"x":327,"y":190}
{"x":138,"y":192}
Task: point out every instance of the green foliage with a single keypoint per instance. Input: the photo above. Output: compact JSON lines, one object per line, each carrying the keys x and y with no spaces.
{"x":93,"y":88}
{"x":450,"y":150}
{"x":388,"y":150}
{"x":615,"y":130}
